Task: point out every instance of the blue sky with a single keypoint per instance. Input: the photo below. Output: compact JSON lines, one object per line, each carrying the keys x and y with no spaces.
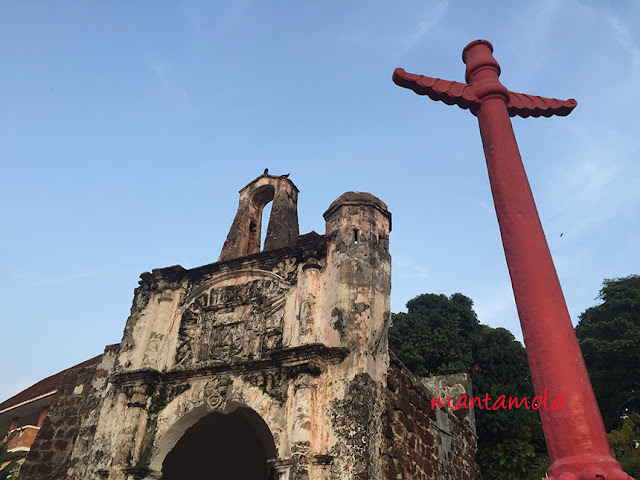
{"x":127,"y":129}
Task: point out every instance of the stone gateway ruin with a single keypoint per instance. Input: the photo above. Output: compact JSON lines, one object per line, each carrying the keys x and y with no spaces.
{"x":271,"y":363}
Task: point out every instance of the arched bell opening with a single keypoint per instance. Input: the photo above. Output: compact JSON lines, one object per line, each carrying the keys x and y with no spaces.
{"x":231,"y":446}
{"x":245,"y":236}
{"x":261,"y":197}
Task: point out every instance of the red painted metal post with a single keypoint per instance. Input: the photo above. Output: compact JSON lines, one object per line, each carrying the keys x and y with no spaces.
{"x":575,"y":435}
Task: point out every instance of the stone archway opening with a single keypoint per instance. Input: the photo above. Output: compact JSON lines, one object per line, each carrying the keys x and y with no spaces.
{"x":261,"y":197}
{"x":232,"y":446}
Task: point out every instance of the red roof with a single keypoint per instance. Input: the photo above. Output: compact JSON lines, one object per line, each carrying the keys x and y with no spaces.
{"x":47,"y":385}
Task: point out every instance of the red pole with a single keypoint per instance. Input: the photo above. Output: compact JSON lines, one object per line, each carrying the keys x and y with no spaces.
{"x":575,"y":435}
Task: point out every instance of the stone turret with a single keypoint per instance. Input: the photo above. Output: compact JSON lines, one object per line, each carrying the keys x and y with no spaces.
{"x":359,"y":276}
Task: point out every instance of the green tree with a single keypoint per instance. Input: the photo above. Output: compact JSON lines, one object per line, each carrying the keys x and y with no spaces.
{"x":609,"y":335}
{"x":501,"y":368}
{"x":513,"y":459}
{"x":440,"y":335}
{"x":624,"y":444}
{"x":436,"y":335}
{"x":7,"y":468}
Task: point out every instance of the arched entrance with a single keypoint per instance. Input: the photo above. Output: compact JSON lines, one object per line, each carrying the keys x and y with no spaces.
{"x":232,"y":446}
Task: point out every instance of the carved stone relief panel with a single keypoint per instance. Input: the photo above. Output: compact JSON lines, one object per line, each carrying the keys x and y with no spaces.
{"x":232,"y":322}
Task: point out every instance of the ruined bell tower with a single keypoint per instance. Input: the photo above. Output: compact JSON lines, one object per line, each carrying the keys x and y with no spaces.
{"x":271,"y":364}
{"x":244,"y":236}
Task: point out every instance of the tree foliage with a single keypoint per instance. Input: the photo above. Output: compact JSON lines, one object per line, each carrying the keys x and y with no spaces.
{"x":440,"y":335}
{"x":624,"y":444}
{"x":7,"y":468}
{"x":435,"y":336}
{"x":512,"y":460}
{"x":609,"y":335}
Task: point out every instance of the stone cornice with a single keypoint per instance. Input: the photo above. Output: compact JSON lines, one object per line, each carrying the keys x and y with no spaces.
{"x":309,"y":245}
{"x":311,"y":358}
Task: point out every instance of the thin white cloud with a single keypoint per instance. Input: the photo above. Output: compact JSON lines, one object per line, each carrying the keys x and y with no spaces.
{"x":170,"y":88}
{"x":598,"y":183}
{"x":623,"y":36}
{"x":223,"y":20}
{"x":531,"y":37}
{"x":542,"y":20}
{"x":408,"y":269}
{"x":49,"y":281}
{"x":430,"y":20}
{"x":494,"y":304}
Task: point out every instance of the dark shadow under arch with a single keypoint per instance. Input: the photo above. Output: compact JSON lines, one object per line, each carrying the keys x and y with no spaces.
{"x":233,"y":446}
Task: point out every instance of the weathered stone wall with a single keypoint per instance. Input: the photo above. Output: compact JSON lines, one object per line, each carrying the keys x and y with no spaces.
{"x":423,"y":443}
{"x":68,"y":426}
{"x":297,"y":334}
{"x":453,"y":386}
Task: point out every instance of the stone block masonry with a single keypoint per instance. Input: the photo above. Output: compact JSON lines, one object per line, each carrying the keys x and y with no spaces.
{"x":421,"y":442}
{"x":68,"y":425}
